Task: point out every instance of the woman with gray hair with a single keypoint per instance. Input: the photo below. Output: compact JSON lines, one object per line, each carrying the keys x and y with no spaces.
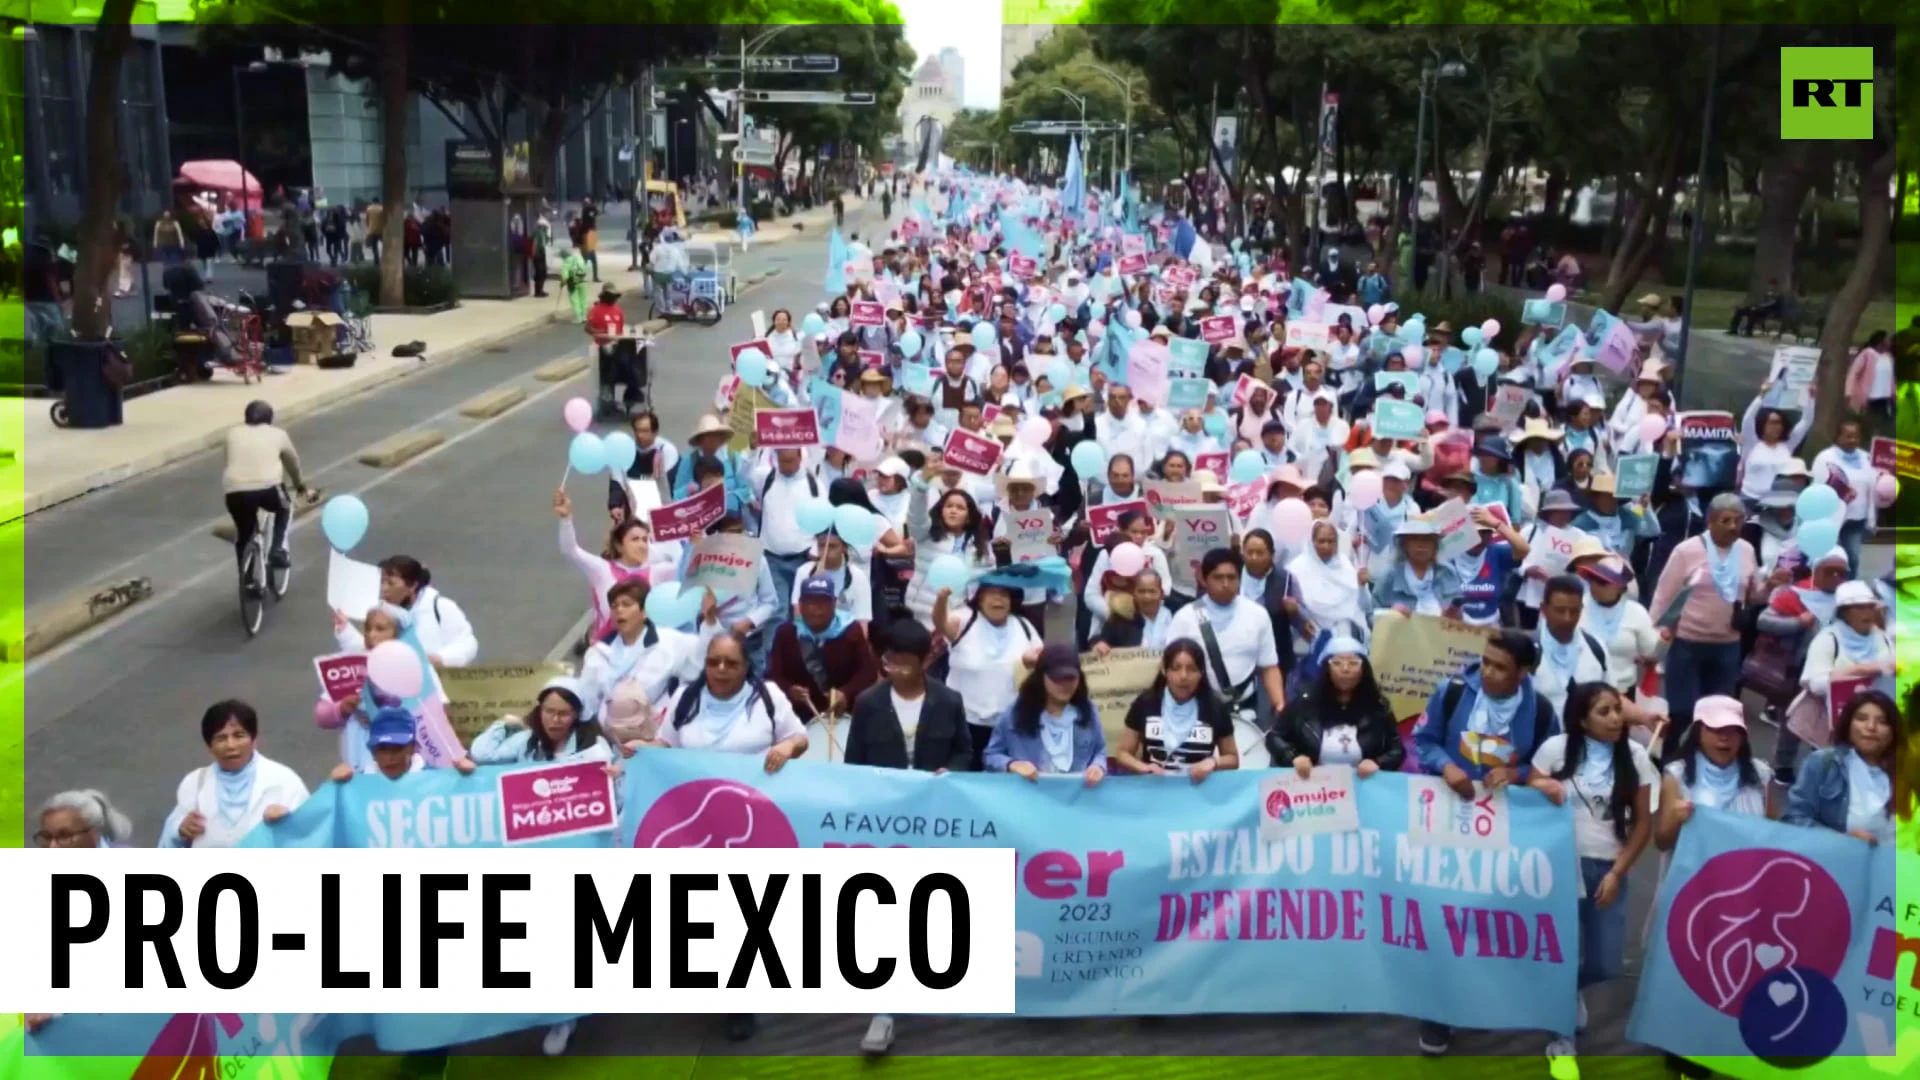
{"x":81,"y":819}
{"x":1712,"y":577}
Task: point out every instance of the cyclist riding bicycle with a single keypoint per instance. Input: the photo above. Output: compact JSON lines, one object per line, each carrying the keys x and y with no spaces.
{"x":260,"y":462}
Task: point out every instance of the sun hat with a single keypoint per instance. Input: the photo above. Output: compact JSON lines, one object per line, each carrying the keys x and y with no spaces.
{"x":1363,"y":458}
{"x":709,"y":424}
{"x":1558,"y":500}
{"x":1161,"y":332}
{"x":1416,"y":527}
{"x":1538,"y":428}
{"x":1494,"y":446}
{"x":1854,"y":594}
{"x":1208,"y":482}
{"x":1611,"y":571}
{"x":1793,"y":467}
{"x":1720,"y":711}
{"x":1652,"y":299}
{"x":1603,"y":483}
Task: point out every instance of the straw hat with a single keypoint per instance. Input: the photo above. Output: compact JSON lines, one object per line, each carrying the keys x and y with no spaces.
{"x":1651,"y":371}
{"x":1538,"y":428}
{"x":1073,"y":392}
{"x":1652,"y":299}
{"x":1363,"y":458}
{"x":1586,"y":548}
{"x":1002,"y":427}
{"x":1603,"y":484}
{"x":1209,"y":483}
{"x":709,"y":424}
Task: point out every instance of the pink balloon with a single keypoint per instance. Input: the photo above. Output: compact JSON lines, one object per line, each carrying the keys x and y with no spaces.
{"x":1133,"y":319}
{"x":1490,"y":328}
{"x":578,"y":413}
{"x":1035,"y":431}
{"x":1127,"y":560}
{"x":1364,"y":490}
{"x":1376,"y":313}
{"x":1556,"y":293}
{"x":396,"y":669}
{"x":1413,"y":354}
{"x":1096,"y":328}
{"x":1652,"y":430}
{"x":1886,"y":489}
{"x":1292,"y":521}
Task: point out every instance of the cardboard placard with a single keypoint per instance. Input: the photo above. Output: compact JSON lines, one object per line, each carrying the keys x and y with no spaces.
{"x":727,"y":564}
{"x":1218,"y":329}
{"x":689,"y":516}
{"x":1102,"y":520}
{"x":867,"y":313}
{"x":972,"y":453}
{"x":786,"y":429}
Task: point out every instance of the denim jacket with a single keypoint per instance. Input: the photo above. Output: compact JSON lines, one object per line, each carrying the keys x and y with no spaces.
{"x":1819,"y":793}
{"x":1008,"y":745}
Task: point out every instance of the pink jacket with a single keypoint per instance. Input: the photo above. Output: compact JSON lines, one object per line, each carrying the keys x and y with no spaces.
{"x":1860,"y":378}
{"x":1707,"y":619}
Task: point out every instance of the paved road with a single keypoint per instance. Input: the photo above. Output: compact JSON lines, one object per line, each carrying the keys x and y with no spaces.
{"x":118,"y":709}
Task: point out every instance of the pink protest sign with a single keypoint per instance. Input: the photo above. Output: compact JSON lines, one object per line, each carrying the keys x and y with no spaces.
{"x":554,"y":801}
{"x":689,"y":516}
{"x":734,"y":351}
{"x":1216,"y":329}
{"x":341,"y":674}
{"x":972,"y":453}
{"x":1021,"y":266}
{"x":1181,"y":276}
{"x":1132,"y":265}
{"x":1214,"y":463}
{"x":1102,"y":520}
{"x":872,"y":358}
{"x":1242,"y":498}
{"x":1618,"y":348}
{"x":1133,"y":244}
{"x":1244,"y":389}
{"x":786,"y":429}
{"x":868,"y":313}
{"x":990,"y":413}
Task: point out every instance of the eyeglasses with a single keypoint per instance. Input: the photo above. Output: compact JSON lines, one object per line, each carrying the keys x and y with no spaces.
{"x":723,"y":662}
{"x":82,"y":838}
{"x":556,"y":712}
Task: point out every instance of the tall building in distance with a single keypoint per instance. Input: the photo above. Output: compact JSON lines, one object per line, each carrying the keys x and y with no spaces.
{"x":929,"y":96}
{"x":955,"y":67}
{"x":1017,"y":42}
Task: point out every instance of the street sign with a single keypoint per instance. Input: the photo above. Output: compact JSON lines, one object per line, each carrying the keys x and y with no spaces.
{"x":752,"y":155}
{"x":809,"y":97}
{"x":776,"y":65}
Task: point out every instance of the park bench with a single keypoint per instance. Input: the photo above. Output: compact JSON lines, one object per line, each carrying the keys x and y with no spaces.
{"x":1799,"y":319}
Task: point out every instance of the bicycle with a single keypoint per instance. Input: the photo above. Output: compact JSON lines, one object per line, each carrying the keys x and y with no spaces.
{"x":259,"y":578}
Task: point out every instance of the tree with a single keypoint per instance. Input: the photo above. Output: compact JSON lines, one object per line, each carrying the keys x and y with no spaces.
{"x":106,"y":176}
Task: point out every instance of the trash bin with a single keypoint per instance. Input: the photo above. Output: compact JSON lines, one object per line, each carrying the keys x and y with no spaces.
{"x":88,"y":399}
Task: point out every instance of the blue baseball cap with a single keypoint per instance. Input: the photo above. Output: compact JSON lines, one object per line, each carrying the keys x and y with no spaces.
{"x":390,"y":727}
{"x":818,"y":587}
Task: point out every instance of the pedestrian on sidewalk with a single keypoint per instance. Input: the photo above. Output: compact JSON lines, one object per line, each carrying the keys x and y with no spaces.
{"x":590,"y":236}
{"x":168,"y":241}
{"x":573,"y":280}
{"x":542,"y":237}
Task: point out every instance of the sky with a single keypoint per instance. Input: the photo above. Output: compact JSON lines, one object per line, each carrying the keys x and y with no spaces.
{"x":972,"y":28}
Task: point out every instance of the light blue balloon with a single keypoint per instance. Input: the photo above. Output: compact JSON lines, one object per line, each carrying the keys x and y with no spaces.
{"x":1816,"y":538}
{"x":620,"y":452}
{"x":1060,"y":373}
{"x":1056,"y":313}
{"x":855,"y":525}
{"x":344,"y":520}
{"x":1215,"y":425}
{"x":1414,"y":330}
{"x":753,"y":368}
{"x":813,"y":325}
{"x":587,"y":454}
{"x":947,"y":572}
{"x":1817,"y":504}
{"x":1089,"y":460}
{"x":1471,"y":335}
{"x":814,"y":516}
{"x":983,"y":336}
{"x":911,"y":343}
{"x":1485,"y":363}
{"x":1234,"y":246}
{"x":664,"y":606}
{"x":1247,"y":467}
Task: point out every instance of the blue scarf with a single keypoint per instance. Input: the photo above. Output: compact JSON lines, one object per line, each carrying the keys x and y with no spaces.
{"x":235,"y":790}
{"x":1056,"y":737}
{"x":1819,"y":603}
{"x":1852,"y":459}
{"x":1595,"y":774}
{"x":1382,"y":520}
{"x":1494,"y":716}
{"x":1153,"y":632}
{"x":1725,"y":568}
{"x":1422,"y":589}
{"x":1715,"y":786}
{"x":834,"y":629}
{"x":1564,"y":656}
{"x":1178,"y":719}
{"x":1254,"y":588}
{"x":1606,"y":620}
{"x":717,"y":716}
{"x":1856,"y":647}
{"x":1219,"y":616}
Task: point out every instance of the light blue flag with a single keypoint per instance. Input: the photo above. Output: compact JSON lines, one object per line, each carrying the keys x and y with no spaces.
{"x":1299,"y":291}
{"x":1187,"y":917}
{"x":1777,"y":952}
{"x":836,"y":265}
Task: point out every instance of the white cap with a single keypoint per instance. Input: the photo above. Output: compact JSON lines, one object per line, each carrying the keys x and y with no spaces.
{"x":1854,"y":592}
{"x":893,"y":466}
{"x":1021,"y":472}
{"x":1397,"y":470}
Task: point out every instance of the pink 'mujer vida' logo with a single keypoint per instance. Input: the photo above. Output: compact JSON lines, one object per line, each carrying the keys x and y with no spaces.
{"x":714,"y":814}
{"x":188,"y":1047}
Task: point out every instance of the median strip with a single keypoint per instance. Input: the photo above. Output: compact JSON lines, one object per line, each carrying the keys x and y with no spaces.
{"x":401,"y":449}
{"x":560,"y":370}
{"x":69,"y":617}
{"x":492,"y":404}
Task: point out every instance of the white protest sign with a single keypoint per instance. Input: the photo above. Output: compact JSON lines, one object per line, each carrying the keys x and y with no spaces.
{"x":1306,"y":335}
{"x":1793,"y":367}
{"x":1436,"y":817}
{"x":1196,"y":531}
{"x":1321,"y":803}
{"x":353,"y":587}
{"x":1030,"y":534}
{"x":725,"y":563}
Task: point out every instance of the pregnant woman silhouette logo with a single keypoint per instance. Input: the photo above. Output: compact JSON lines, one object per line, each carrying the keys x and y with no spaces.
{"x":714,"y":813}
{"x":188,"y":1047}
{"x":1760,"y":935}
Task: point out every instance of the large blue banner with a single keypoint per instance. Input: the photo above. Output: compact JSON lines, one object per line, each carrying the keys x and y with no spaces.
{"x":1155,"y":895}
{"x":1782,"y":950}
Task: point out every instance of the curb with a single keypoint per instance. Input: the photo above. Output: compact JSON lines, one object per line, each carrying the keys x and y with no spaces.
{"x":160,"y":459}
{"x":70,"y":616}
{"x":654,"y":326}
{"x":401,"y":449}
{"x":560,"y":370}
{"x":493,"y":403}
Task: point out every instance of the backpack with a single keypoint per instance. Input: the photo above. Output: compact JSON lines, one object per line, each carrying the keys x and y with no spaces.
{"x":813,"y":485}
{"x":689,"y":702}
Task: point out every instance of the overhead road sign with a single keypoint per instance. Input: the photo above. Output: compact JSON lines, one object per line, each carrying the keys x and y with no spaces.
{"x":809,"y":97}
{"x":774,"y":65}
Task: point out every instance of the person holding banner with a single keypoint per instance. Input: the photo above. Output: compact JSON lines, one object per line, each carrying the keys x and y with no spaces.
{"x":391,"y":750}
{"x":1848,"y":787}
{"x":217,"y":804}
{"x":821,"y":659}
{"x":1609,"y":779}
{"x":1343,"y":719}
{"x":1174,"y":725}
{"x":559,"y":728}
{"x":1052,"y":726}
{"x":1715,"y":768}
{"x":1237,"y":636}
{"x":1484,"y":725}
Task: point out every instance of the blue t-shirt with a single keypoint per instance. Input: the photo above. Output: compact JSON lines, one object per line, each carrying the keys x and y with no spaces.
{"x":1480,"y":595}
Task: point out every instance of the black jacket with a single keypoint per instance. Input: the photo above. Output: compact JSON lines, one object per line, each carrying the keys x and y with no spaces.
{"x":1297,"y":731}
{"x":1279,"y":586}
{"x":942,"y":741}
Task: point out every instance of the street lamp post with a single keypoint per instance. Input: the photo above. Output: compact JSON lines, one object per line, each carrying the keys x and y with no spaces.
{"x":749,"y":48}
{"x":1126,"y":93}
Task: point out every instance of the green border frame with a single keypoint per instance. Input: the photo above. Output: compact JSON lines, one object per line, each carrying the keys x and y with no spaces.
{"x":13,"y":711}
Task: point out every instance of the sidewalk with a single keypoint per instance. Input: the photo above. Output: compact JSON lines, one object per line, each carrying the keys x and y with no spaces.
{"x":164,"y":427}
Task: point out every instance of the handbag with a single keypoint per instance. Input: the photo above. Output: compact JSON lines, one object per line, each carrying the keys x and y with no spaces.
{"x":116,"y":370}
{"x":1769,"y":670}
